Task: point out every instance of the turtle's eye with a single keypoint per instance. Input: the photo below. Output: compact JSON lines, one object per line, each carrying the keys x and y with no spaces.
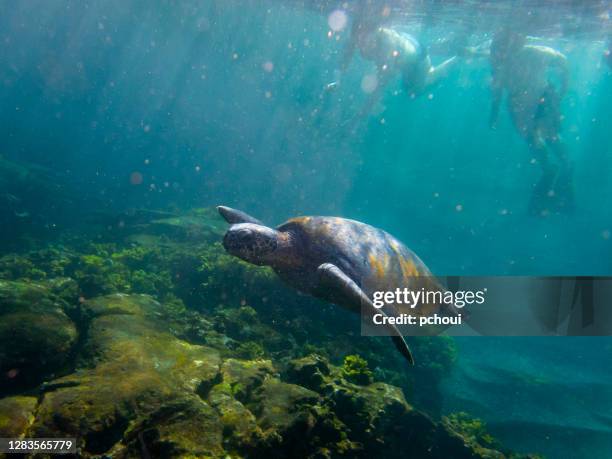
{"x":250,"y":242}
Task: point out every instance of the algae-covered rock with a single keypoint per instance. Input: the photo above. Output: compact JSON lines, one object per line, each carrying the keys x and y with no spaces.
{"x":263,"y":416}
{"x":184,"y":427}
{"x":18,"y":267}
{"x":285,"y":412}
{"x":140,"y":391}
{"x":36,"y":335}
{"x":250,"y":350}
{"x":239,"y":424}
{"x":256,"y":339}
{"x":282,"y":406}
{"x":473,"y":431}
{"x":365,"y":406}
{"x":243,"y":377}
{"x":64,"y":287}
{"x":266,"y":417}
{"x":310,"y":371}
{"x":374,"y":420}
{"x":132,"y":371}
{"x":16,"y":415}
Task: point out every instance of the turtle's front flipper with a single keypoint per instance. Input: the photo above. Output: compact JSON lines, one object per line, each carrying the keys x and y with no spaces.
{"x":236,"y":216}
{"x":344,"y":290}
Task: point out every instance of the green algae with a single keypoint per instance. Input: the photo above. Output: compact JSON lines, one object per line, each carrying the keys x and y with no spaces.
{"x":36,"y":334}
{"x":250,"y":350}
{"x":472,"y":429}
{"x":16,"y":415}
{"x":355,"y":369}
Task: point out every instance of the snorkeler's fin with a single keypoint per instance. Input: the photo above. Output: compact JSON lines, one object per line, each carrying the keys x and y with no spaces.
{"x":343,"y":290}
{"x":236,"y":216}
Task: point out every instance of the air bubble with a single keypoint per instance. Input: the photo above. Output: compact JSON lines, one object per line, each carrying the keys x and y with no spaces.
{"x":369,"y":83}
{"x":337,"y":20}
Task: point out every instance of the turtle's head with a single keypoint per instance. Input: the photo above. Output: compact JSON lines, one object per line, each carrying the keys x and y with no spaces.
{"x":251,"y":242}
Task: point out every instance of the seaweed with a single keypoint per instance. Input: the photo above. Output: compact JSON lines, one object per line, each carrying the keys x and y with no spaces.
{"x":355,"y":369}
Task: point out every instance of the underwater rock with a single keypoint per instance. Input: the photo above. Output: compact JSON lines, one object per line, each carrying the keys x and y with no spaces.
{"x":132,"y":371}
{"x":473,"y":431}
{"x":281,"y":406}
{"x":18,"y":266}
{"x":375,"y":419}
{"x":239,"y":424}
{"x":179,"y":428}
{"x":36,"y":335}
{"x":244,"y":377}
{"x":250,"y":350}
{"x":243,"y":324}
{"x":265,"y":417}
{"x":286,"y":416}
{"x":310,"y":371}
{"x":16,"y":415}
{"x":64,"y":287}
{"x":139,"y":390}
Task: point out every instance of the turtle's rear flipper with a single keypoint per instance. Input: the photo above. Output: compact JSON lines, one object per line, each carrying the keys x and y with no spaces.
{"x":402,"y":346}
{"x":343,"y":290}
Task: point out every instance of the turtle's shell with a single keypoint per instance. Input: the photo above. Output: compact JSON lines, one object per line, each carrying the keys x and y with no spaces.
{"x":373,"y":258}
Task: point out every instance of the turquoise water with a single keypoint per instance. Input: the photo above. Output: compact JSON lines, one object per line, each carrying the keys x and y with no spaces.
{"x":552,"y":393}
{"x":174,"y":105}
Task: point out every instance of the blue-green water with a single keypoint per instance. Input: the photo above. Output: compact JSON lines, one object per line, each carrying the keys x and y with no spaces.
{"x":174,"y":105}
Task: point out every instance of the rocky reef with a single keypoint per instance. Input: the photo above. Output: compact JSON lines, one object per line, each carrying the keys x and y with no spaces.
{"x":36,"y":334}
{"x":152,"y":342}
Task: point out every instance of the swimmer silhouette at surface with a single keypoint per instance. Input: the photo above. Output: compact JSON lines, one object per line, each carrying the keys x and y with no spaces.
{"x":394,"y":52}
{"x":535,"y":79}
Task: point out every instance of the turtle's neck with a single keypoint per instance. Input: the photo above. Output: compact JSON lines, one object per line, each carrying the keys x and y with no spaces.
{"x":285,"y":256}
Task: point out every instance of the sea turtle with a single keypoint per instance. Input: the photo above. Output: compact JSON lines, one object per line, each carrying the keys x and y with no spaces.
{"x":335,"y":259}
